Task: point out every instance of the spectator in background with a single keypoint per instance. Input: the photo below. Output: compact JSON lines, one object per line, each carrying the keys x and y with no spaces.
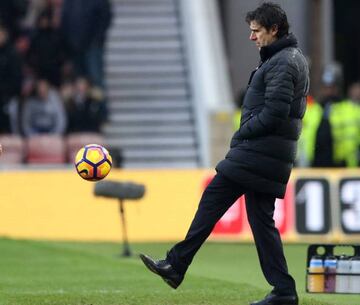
{"x":56,"y":9}
{"x":10,"y":78}
{"x":38,"y":7}
{"x":44,"y":112}
{"x":84,"y":25}
{"x":354,"y":92}
{"x":330,"y":136}
{"x":33,"y":11}
{"x":46,"y":55}
{"x":11,"y":12}
{"x":85,"y":109}
{"x":354,"y":96}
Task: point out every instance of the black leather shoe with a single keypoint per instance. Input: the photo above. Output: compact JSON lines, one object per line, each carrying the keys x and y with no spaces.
{"x":163,"y":269}
{"x":273,"y":299}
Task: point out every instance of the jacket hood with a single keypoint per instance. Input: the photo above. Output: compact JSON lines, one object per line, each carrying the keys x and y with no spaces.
{"x":281,"y":43}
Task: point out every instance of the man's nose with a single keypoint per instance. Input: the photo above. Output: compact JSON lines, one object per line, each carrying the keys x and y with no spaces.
{"x":252,"y":36}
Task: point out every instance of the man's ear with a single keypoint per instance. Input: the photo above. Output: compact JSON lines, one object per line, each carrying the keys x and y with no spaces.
{"x":274,"y":30}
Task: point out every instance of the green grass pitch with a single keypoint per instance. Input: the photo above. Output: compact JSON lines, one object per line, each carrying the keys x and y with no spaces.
{"x":69,"y":273}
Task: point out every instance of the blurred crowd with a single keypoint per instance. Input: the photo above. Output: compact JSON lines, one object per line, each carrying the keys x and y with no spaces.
{"x":331,"y":125}
{"x":51,"y":66}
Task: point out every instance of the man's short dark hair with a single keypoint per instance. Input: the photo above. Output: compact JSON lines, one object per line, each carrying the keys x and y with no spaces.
{"x":269,"y":14}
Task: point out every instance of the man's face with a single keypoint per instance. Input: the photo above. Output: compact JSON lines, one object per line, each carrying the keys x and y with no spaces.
{"x":261,"y":36}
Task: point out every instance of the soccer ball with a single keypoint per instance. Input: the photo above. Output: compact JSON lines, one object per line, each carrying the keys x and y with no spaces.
{"x":93,"y":162}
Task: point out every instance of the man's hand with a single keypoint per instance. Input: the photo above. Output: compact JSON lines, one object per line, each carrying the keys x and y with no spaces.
{"x":0,"y":149}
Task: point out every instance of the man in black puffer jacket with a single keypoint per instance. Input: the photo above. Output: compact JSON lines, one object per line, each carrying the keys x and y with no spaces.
{"x":260,"y":159}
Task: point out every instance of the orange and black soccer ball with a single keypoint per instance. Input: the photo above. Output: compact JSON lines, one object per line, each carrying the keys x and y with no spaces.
{"x":93,"y":162}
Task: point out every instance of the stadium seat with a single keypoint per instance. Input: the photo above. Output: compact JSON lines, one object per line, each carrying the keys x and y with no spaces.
{"x":46,"y":149}
{"x":76,"y":140}
{"x":13,"y":149}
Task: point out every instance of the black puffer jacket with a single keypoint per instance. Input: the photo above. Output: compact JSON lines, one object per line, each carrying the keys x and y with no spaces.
{"x":263,"y":150}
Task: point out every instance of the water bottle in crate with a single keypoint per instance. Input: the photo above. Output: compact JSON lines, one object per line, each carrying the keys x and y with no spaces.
{"x":316,"y":274}
{"x":330,"y":264}
{"x":355,"y":274}
{"x":343,"y":275}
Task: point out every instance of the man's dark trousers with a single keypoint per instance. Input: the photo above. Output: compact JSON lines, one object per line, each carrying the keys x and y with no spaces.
{"x":218,"y":197}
